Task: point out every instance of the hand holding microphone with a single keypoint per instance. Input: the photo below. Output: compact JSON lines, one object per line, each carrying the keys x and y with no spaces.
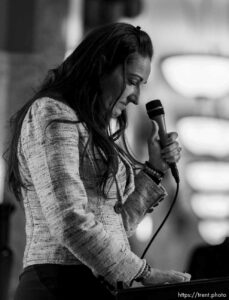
{"x":164,"y":150}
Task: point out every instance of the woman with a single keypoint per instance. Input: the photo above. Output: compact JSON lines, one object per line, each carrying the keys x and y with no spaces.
{"x":82,"y":195}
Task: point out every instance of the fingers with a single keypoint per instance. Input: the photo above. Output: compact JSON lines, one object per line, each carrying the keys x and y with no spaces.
{"x":171,"y":147}
{"x":163,"y":277}
{"x":171,"y":153}
{"x":176,"y":276}
{"x":172,"y":136}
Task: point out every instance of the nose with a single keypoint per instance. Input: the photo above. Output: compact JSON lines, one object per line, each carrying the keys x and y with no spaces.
{"x":133,"y":98}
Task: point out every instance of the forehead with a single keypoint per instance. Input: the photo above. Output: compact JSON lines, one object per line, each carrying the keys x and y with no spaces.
{"x":138,"y":65}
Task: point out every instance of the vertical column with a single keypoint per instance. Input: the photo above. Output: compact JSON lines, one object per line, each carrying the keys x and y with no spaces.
{"x":74,"y":25}
{"x":32,"y":40}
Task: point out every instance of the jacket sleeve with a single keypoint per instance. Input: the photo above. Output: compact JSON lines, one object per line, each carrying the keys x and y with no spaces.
{"x":146,"y":195}
{"x":52,"y":156}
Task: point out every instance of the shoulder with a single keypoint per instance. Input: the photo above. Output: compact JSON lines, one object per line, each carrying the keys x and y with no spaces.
{"x":44,"y":113}
{"x":49,"y":120}
{"x":48,"y":108}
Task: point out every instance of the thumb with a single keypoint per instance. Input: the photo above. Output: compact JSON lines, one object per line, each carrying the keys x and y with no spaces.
{"x":155,"y":131}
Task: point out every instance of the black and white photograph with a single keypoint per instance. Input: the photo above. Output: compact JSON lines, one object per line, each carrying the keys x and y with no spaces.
{"x":114,"y":143}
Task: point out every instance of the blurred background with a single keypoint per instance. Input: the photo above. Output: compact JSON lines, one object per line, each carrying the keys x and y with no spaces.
{"x":190,"y":75}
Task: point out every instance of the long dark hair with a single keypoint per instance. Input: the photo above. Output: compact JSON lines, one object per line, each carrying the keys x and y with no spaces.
{"x":76,"y":82}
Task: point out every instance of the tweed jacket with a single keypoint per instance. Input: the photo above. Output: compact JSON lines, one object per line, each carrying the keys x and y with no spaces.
{"x":67,"y":220}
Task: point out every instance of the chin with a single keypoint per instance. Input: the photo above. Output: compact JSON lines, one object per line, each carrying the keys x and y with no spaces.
{"x":116,"y":113}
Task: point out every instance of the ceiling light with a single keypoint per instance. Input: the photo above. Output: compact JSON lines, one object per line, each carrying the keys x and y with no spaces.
{"x":204,"y":135}
{"x":214,"y":232}
{"x":208,"y":176}
{"x":197,"y":75}
{"x":210,"y":205}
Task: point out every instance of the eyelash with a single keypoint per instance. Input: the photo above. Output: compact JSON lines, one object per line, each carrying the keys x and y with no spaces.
{"x":133,"y":83}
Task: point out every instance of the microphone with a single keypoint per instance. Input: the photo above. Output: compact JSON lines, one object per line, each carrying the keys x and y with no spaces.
{"x":156,"y":113}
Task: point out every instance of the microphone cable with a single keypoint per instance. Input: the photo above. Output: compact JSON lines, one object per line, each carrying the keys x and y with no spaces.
{"x":163,"y":222}
{"x":175,"y":174}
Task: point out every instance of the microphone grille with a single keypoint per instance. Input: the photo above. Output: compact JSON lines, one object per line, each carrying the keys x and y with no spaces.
{"x":154,"y":108}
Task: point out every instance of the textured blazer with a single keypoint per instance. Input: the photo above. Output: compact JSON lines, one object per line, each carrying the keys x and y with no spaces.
{"x":68,"y":221}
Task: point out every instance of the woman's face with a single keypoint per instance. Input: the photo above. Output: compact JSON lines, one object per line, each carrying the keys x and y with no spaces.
{"x":137,"y":71}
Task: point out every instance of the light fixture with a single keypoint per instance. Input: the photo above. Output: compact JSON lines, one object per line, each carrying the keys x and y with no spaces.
{"x":197,"y":75}
{"x":214,"y":232}
{"x":210,"y":205}
{"x":204,"y":135}
{"x":208,"y":176}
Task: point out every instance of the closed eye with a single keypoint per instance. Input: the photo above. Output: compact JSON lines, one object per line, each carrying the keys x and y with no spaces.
{"x":132,"y":82}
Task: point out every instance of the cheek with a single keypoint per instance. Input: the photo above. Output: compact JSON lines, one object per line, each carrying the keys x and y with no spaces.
{"x":128,"y":91}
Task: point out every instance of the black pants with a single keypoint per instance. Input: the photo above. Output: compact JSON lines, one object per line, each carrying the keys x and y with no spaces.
{"x":52,"y":282}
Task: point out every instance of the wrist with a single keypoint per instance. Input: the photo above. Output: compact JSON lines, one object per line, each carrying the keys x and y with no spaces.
{"x":153,"y":173}
{"x":145,"y":274}
{"x":149,"y":164}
